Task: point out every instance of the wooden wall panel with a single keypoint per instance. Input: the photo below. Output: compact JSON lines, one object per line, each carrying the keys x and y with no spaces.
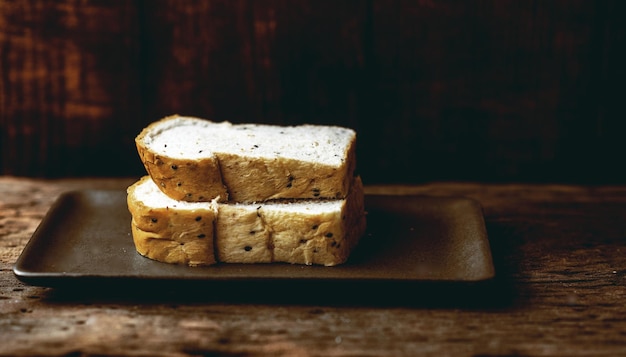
{"x":68,"y":88}
{"x":270,"y":61}
{"x":497,"y":89}
{"x":437,"y":89}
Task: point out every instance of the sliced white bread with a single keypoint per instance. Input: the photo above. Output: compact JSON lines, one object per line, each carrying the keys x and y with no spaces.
{"x":194,"y":160}
{"x":171,"y":231}
{"x":311,"y":231}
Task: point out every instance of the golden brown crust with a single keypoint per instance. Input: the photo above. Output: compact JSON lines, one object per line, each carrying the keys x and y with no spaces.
{"x":257,"y":180}
{"x":155,"y":247}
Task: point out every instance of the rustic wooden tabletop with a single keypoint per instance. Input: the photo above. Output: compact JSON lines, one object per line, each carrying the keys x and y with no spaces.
{"x":560,"y":289}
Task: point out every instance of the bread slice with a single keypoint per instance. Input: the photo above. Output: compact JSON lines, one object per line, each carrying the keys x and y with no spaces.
{"x":312,"y":231}
{"x":195,"y":160}
{"x":321,"y":232}
{"x":171,"y":231}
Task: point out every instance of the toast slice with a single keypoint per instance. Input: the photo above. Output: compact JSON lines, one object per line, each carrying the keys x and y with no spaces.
{"x":171,"y":231}
{"x":198,"y":160}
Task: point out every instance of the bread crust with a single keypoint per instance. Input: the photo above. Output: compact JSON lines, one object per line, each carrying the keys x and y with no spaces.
{"x":244,"y":178}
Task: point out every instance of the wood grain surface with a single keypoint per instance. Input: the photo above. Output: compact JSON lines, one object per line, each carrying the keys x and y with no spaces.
{"x":559,"y":291}
{"x":497,"y":90}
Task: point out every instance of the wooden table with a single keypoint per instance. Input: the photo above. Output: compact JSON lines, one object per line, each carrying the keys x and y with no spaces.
{"x":560,"y":289}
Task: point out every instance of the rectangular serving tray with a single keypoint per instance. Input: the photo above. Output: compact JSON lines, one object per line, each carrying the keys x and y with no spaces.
{"x":85,"y":239}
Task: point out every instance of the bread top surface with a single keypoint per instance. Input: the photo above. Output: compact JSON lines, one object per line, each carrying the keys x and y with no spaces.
{"x":193,"y":138}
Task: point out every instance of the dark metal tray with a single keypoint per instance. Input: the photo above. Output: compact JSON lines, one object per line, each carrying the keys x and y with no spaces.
{"x":85,"y":239}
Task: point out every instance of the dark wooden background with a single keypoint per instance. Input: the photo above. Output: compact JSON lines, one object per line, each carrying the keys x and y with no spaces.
{"x":492,"y":90}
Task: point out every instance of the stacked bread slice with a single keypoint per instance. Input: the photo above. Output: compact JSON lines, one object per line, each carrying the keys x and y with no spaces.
{"x":246,"y":193}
